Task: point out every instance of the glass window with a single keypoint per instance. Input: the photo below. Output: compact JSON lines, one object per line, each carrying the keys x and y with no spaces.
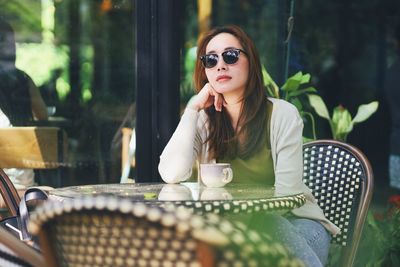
{"x":79,"y":57}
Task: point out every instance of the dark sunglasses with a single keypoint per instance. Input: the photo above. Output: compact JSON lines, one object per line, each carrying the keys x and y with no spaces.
{"x":230,"y":57}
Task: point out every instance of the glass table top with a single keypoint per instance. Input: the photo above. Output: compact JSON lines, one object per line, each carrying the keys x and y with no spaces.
{"x":233,"y":198}
{"x":168,"y":192}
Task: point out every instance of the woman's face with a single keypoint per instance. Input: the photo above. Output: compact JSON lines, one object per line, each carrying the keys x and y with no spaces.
{"x":227,"y":79}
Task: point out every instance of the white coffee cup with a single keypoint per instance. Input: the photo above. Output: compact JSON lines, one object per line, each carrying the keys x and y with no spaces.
{"x":215,"y":174}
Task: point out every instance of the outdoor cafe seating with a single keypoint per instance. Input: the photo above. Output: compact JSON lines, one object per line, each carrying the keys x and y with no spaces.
{"x":112,"y":231}
{"x":339,"y":175}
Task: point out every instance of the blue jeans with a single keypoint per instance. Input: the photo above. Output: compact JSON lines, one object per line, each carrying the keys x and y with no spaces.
{"x":305,"y":238}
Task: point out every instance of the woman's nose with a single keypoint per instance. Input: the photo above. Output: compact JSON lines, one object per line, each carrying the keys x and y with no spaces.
{"x":221,"y":65}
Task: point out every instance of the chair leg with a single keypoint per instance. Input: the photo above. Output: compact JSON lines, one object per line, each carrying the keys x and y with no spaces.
{"x":206,"y":255}
{"x":47,"y":250}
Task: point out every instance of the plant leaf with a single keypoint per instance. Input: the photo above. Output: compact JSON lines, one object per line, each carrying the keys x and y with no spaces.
{"x":365,"y":111}
{"x":302,"y":91}
{"x":319,"y":106}
{"x":297,"y":103}
{"x":293,"y":82}
{"x":306,"y":139}
{"x":273,"y":89}
{"x":306,"y":78}
{"x":150,"y":195}
{"x":341,"y":121}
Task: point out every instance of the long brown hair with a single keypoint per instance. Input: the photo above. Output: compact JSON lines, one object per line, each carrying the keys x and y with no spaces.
{"x":223,"y":139}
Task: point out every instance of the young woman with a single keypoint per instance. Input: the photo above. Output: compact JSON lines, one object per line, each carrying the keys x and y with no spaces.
{"x":231,"y":120}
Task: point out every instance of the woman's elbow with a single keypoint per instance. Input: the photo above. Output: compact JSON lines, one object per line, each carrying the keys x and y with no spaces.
{"x":173,"y":174}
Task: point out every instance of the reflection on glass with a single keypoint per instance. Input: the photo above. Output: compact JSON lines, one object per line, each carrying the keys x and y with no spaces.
{"x":174,"y":192}
{"x":80,"y":54}
{"x":220,"y":193}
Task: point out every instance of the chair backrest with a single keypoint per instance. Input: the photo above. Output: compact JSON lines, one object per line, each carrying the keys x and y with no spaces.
{"x":341,"y":179}
{"x":110,"y":231}
{"x":32,"y":147}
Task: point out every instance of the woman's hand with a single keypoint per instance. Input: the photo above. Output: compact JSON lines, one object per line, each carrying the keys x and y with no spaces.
{"x":207,"y":97}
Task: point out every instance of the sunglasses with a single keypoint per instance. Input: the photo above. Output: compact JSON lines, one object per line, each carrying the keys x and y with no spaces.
{"x":230,"y":57}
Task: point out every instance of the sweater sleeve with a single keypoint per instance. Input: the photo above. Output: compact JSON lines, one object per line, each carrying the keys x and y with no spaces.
{"x":179,"y":155}
{"x":288,"y":131}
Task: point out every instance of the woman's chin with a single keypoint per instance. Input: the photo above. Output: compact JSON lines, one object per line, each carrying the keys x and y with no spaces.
{"x":223,"y":89}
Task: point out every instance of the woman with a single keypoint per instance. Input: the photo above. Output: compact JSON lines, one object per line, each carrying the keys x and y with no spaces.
{"x":231,"y":120}
{"x":20,"y":99}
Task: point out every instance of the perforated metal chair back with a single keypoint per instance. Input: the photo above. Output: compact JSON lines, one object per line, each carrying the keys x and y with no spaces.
{"x":110,"y":231}
{"x":341,"y":179}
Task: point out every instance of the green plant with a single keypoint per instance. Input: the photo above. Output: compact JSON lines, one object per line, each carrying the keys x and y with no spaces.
{"x":341,"y":122}
{"x":270,"y":85}
{"x":293,"y":91}
{"x":382,"y":233}
{"x":39,"y":60}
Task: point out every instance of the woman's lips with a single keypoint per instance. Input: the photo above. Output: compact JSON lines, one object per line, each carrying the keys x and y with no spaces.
{"x":222,"y":78}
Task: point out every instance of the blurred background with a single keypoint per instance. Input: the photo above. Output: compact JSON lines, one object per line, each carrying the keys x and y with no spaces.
{"x":102,"y":65}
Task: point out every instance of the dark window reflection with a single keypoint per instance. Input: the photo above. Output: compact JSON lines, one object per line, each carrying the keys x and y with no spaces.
{"x":80,"y":57}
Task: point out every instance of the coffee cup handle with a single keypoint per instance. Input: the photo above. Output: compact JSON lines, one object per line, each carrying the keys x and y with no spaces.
{"x":228,"y":175}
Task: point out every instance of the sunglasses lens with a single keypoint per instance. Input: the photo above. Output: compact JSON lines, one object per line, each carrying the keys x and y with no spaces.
{"x":209,"y":61}
{"x":230,"y":56}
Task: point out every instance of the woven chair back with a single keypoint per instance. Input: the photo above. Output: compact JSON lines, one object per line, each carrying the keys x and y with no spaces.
{"x":110,"y":231}
{"x":341,"y":179}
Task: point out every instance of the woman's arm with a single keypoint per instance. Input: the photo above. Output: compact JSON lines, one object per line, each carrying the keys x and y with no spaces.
{"x":179,"y":155}
{"x":39,"y":108}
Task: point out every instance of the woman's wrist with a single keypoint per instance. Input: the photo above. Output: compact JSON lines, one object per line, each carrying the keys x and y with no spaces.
{"x":192,"y":104}
{"x":193,"y":107}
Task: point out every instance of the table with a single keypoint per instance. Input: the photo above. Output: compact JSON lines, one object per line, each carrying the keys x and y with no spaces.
{"x":54,"y":121}
{"x":233,"y":198}
{"x":76,"y":221}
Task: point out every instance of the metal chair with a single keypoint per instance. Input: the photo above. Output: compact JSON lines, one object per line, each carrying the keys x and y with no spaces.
{"x":14,"y":252}
{"x":341,"y":179}
{"x":112,"y":231}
